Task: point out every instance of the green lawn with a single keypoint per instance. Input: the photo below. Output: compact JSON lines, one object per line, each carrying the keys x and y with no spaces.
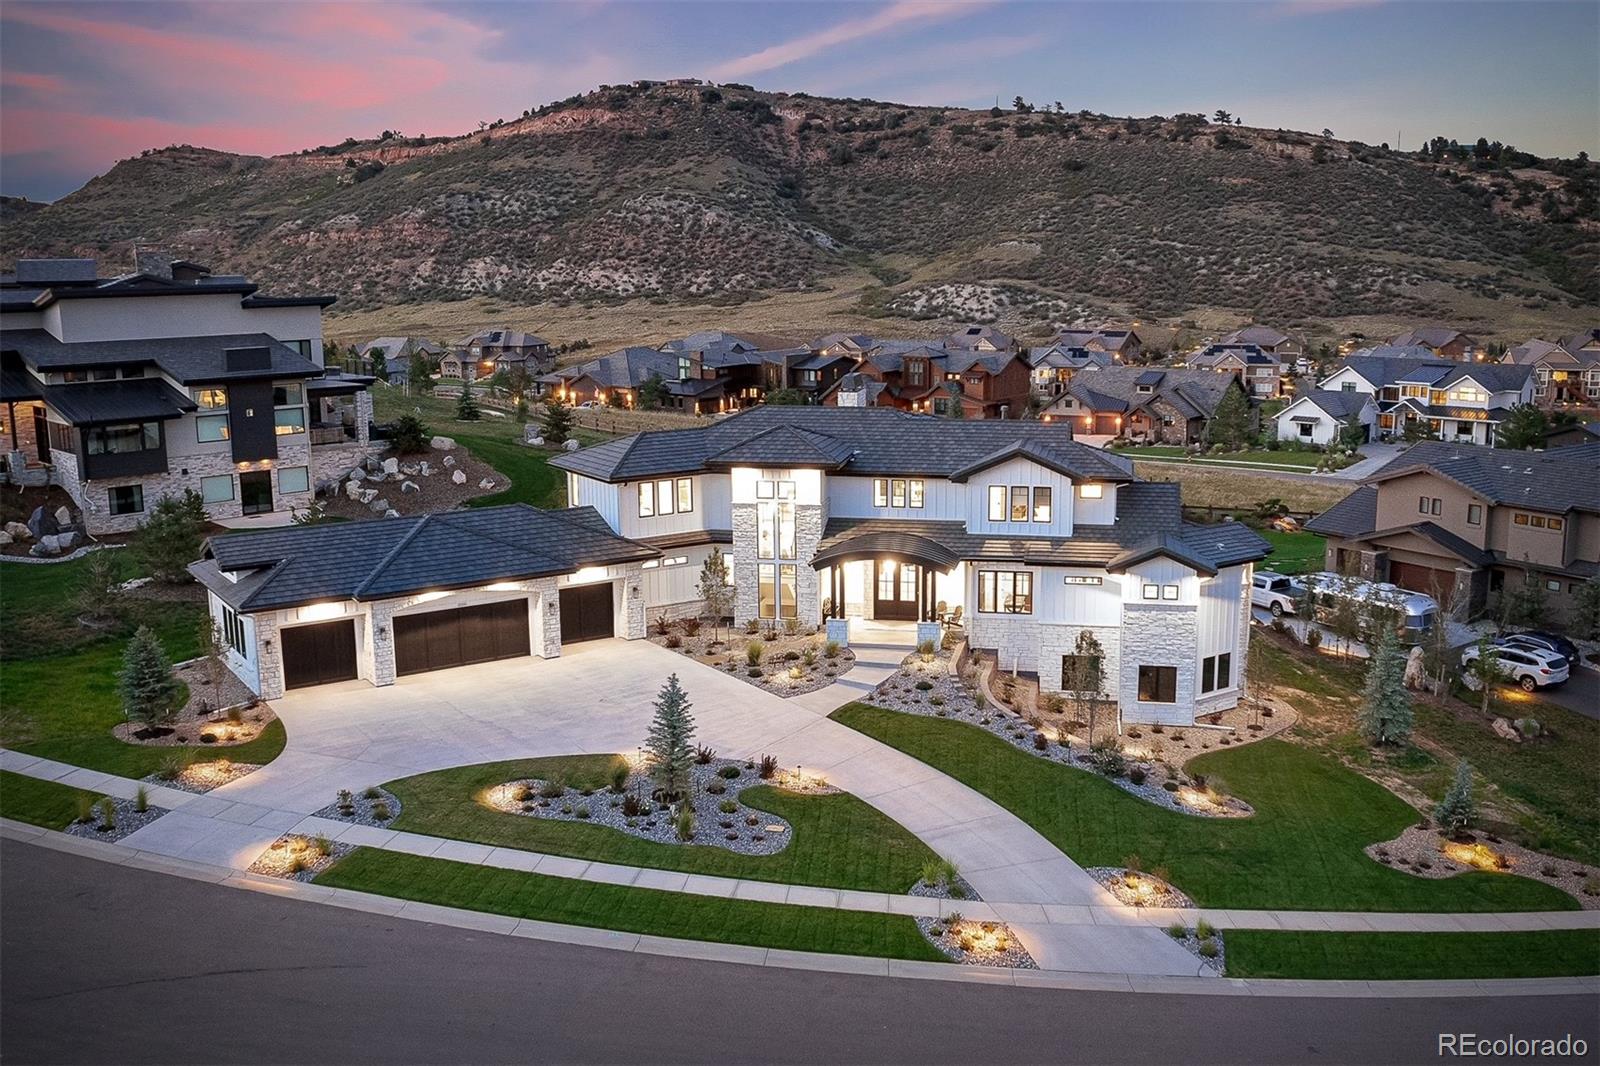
{"x":46,"y":803}
{"x":1300,"y":851}
{"x":1543,"y":793}
{"x":1412,"y":956}
{"x":1293,"y":553}
{"x":839,"y":841}
{"x":1267,"y":456}
{"x":634,"y":910}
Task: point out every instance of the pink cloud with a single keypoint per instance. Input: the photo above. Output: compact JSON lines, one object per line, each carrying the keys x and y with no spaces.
{"x":1295,"y":8}
{"x":39,"y":83}
{"x":898,"y":14}
{"x":88,"y":140}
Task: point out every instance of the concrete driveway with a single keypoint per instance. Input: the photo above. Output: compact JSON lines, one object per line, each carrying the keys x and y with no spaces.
{"x":597,"y":698}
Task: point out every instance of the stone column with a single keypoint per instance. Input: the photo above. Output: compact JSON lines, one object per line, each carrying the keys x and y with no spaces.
{"x":633,"y":614}
{"x":742,"y":564}
{"x":808,"y":523}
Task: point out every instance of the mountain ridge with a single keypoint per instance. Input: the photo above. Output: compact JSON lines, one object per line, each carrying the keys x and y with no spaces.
{"x":675,"y":194}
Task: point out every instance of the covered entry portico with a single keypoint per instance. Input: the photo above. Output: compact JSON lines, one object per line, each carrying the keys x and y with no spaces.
{"x":888,"y":576}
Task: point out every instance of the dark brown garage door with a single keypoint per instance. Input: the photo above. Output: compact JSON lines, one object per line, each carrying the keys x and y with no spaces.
{"x":1423,"y":579}
{"x":460,"y":636}
{"x":586,"y":613}
{"x":316,"y":655}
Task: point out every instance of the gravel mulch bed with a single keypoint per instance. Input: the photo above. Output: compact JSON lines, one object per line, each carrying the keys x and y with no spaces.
{"x":1214,"y":956}
{"x":202,"y":777}
{"x":197,"y":719}
{"x":298,"y":858}
{"x":783,"y":670}
{"x":744,"y":830}
{"x":125,"y":820}
{"x":372,"y":806}
{"x":1145,"y":890}
{"x":929,"y":689}
{"x":976,"y":943}
{"x":957,"y":888}
{"x":435,"y":491}
{"x":1423,"y":851}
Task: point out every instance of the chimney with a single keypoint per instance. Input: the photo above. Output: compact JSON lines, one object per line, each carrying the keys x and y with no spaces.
{"x":152,"y":263}
{"x":697,"y":362}
{"x":1004,"y":410}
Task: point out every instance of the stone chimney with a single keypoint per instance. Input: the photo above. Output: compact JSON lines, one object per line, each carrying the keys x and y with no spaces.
{"x":152,"y":263}
{"x":697,"y":365}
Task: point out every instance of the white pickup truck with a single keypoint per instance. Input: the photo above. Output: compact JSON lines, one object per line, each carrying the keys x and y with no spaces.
{"x":1272,"y":591}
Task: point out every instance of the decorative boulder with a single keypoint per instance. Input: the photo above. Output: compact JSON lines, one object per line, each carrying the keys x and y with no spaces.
{"x":352,"y":489}
{"x":410,"y":486}
{"x":459,"y":477}
{"x":424,"y":469}
{"x":41,"y":523}
{"x":486,"y":483}
{"x":367,"y":495}
{"x":19,"y":531}
{"x":449,"y":460}
{"x":570,"y":445}
{"x":409,"y":469}
{"x":534,"y":442}
{"x":442,"y":444}
{"x":5,"y":538}
{"x":379,"y":506}
{"x":1416,"y":676}
{"x":391,"y":513}
{"x":356,"y":473}
{"x":1505,"y":730}
{"x":391,"y":466}
{"x":531,"y":434}
{"x":64,"y":517}
{"x":67,"y":539}
{"x":44,"y":550}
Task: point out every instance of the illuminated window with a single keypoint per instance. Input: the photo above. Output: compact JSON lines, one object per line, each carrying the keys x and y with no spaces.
{"x":997,"y":503}
{"x":1041,"y":504}
{"x":1091,"y":492}
{"x":1019,"y":503}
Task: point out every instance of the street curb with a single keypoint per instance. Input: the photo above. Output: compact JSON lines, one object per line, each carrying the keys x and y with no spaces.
{"x":644,"y":944}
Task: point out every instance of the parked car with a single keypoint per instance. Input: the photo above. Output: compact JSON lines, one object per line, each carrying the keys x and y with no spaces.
{"x":1543,"y":641}
{"x":1275,"y":592}
{"x":1529,"y":667}
{"x":590,"y":405}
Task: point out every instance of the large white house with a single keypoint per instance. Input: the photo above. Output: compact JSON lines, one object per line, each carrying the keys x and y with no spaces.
{"x":125,"y":389}
{"x":863,"y":513}
{"x":1461,"y":403}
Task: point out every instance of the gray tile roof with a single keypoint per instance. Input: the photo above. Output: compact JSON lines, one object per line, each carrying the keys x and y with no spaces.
{"x":1556,"y":481}
{"x":1149,"y":518}
{"x":1379,"y":369}
{"x":102,"y":402}
{"x":395,"y":557}
{"x":191,"y":360}
{"x":785,"y":446}
{"x":1265,"y":336}
{"x":1337,"y":403}
{"x":1352,"y":516}
{"x":1116,"y":388}
{"x":879,"y":440}
{"x":1428,"y":336}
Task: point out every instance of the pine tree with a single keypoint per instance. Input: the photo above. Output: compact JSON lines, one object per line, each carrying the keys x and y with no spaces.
{"x":1584,"y":615}
{"x":419,"y":375}
{"x":1522,"y":427}
{"x":715,"y":590}
{"x":1485,"y":668}
{"x":668,"y":742}
{"x":380,"y":364}
{"x":466,"y":406}
{"x":557,"y":419}
{"x":1456,"y":812}
{"x":1230,"y":423}
{"x":170,"y":538}
{"x":149,"y":691}
{"x":1385,"y":703}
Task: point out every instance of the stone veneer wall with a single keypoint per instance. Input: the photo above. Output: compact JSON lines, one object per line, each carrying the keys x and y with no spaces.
{"x":808,"y":525}
{"x":183,"y":472}
{"x":1163,"y":636}
{"x":1058,"y":640}
{"x":742,"y":564}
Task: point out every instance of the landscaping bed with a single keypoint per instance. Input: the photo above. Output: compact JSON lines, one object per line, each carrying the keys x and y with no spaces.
{"x":1203,"y":942}
{"x":719,"y":819}
{"x":837,"y":840}
{"x":126,"y":818}
{"x":299,"y":858}
{"x":371,"y":806}
{"x":1135,"y":888}
{"x":1140,"y":764}
{"x":433,"y":491}
{"x":1424,"y":851}
{"x":201,"y":777}
{"x":973,"y":943}
{"x":225,"y":716}
{"x":788,"y":664}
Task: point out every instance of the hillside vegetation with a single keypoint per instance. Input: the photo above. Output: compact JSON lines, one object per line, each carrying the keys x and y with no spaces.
{"x":719,"y":196}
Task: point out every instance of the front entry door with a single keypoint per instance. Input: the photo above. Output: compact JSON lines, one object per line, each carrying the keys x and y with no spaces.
{"x":255,"y":492}
{"x":895,"y":591}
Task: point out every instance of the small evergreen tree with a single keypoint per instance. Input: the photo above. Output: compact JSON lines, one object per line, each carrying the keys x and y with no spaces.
{"x":99,"y":592}
{"x":409,"y":435}
{"x":1417,"y":429}
{"x":668,"y":742}
{"x":149,"y":691}
{"x":1385,"y":703}
{"x":419,"y":373}
{"x":715,"y":590}
{"x":653,"y":392}
{"x":522,"y":410}
{"x":1230,"y":424}
{"x":1522,"y":427}
{"x":1456,"y":812}
{"x":466,"y":406}
{"x":557,"y":419}
{"x":380,"y":364}
{"x":1584,"y":615}
{"x":1523,"y":603}
{"x":170,"y":538}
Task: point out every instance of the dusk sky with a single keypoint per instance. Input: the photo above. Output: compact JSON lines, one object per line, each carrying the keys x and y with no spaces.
{"x":87,"y":84}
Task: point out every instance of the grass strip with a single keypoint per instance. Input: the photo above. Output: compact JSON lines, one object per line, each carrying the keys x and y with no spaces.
{"x":634,"y":910}
{"x":46,"y":803}
{"x":1412,"y":956}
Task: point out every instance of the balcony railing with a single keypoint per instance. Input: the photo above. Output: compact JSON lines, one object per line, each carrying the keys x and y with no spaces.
{"x":323,"y":434}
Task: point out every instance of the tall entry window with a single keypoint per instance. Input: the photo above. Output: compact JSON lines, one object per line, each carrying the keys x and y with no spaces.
{"x":776,"y":540}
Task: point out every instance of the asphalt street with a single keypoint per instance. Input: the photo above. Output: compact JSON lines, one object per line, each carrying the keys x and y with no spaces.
{"x":106,"y":964}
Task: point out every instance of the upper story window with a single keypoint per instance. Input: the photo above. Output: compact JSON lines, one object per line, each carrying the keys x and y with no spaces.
{"x":1415,"y":392}
{"x":685,"y":368}
{"x":1474,"y":514}
{"x":1152,"y":388}
{"x":1160,"y":592}
{"x":1468,"y":394}
{"x":667,"y":496}
{"x":213,"y":399}
{"x":1538,"y":521}
{"x":1347,"y":386}
{"x":898,"y":492}
{"x":96,"y":374}
{"x":1429,"y":505}
{"x":1041,"y":503}
{"x":118,"y":440}
{"x":1091,"y":492}
{"x":1019,"y":503}
{"x":916,"y":371}
{"x":303,"y":347}
{"x":289,"y":411}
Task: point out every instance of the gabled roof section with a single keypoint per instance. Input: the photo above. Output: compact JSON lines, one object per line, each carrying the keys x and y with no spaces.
{"x":1337,"y":403}
{"x":1459,"y":547}
{"x":404,"y":556}
{"x":785,"y":446}
{"x":1167,"y":547}
{"x":1555,"y":481}
{"x":1352,"y":516}
{"x":1045,"y":457}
